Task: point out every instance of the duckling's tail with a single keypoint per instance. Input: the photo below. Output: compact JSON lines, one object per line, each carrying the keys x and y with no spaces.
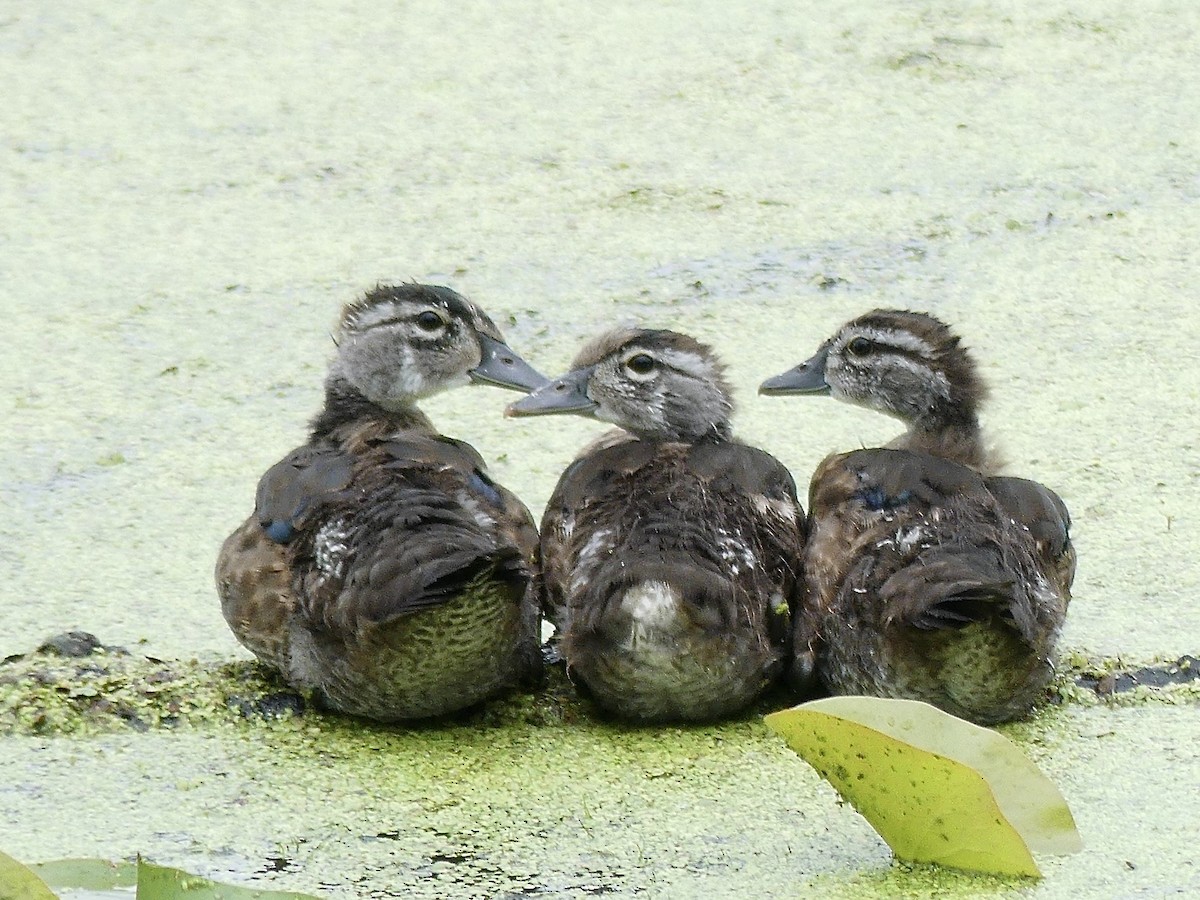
{"x":439,"y":580}
{"x":951,"y":588}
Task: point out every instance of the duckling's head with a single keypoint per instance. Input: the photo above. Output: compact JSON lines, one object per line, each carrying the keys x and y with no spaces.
{"x":656,"y":384}
{"x":401,"y":343}
{"x":906,"y":364}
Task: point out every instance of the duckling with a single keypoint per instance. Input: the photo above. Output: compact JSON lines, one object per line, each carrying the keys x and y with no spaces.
{"x":928,"y":576}
{"x":671,"y":552}
{"x":383,"y":569}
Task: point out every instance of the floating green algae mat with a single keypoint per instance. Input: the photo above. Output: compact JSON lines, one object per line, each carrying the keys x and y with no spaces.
{"x":245,"y":784}
{"x":339,"y":808}
{"x":107,"y":688}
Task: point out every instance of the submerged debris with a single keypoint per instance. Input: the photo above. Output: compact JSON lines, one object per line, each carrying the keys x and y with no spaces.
{"x":77,"y":644}
{"x":1182,"y":671}
{"x":1115,"y":681}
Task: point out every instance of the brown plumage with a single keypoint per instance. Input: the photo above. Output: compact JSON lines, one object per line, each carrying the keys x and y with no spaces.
{"x":382,"y":568}
{"x":927,"y":576}
{"x":670,"y":551}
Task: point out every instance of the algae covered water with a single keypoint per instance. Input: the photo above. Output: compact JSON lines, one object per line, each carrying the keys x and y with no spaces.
{"x":188,"y":195}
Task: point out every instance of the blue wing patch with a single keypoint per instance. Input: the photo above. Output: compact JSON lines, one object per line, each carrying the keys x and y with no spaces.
{"x":483,"y":485}
{"x":279,"y":530}
{"x":876,"y":499}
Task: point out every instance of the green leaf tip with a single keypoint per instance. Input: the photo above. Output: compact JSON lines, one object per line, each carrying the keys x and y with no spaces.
{"x":19,"y":883}
{"x":938,"y":789}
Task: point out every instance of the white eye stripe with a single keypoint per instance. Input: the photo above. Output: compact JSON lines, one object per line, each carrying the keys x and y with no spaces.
{"x":373,"y":316}
{"x":904,"y":340}
{"x":382,"y":314}
{"x":687,"y":362}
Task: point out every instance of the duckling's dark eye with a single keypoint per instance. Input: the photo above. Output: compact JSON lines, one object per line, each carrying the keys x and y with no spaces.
{"x":860,"y":346}
{"x":641,"y":364}
{"x":430,"y":321}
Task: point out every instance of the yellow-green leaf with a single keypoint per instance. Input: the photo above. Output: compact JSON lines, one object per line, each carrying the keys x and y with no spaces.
{"x":162,"y":883}
{"x":937,"y":789}
{"x":18,"y":883}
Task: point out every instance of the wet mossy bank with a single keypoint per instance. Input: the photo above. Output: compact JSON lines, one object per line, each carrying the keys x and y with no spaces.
{"x":74,"y":684}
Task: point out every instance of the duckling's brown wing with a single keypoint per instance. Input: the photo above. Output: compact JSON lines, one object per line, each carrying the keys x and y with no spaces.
{"x":748,"y":472}
{"x":879,"y":479}
{"x":926,"y":575}
{"x":859,"y":499}
{"x":420,"y":522}
{"x":937,"y":586}
{"x":1044,"y":513}
{"x":514,"y":522}
{"x":296,"y":486}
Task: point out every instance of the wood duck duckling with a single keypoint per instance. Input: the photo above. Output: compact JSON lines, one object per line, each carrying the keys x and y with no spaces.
{"x":928,"y":576}
{"x":671,"y":552}
{"x":382,"y":568}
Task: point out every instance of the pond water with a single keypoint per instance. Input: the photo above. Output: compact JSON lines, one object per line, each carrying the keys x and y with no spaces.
{"x":189,"y":193}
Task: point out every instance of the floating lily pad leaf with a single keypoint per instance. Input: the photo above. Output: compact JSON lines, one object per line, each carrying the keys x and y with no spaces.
{"x":19,"y":883}
{"x":86,"y":874}
{"x":937,"y":789}
{"x":161,"y":883}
